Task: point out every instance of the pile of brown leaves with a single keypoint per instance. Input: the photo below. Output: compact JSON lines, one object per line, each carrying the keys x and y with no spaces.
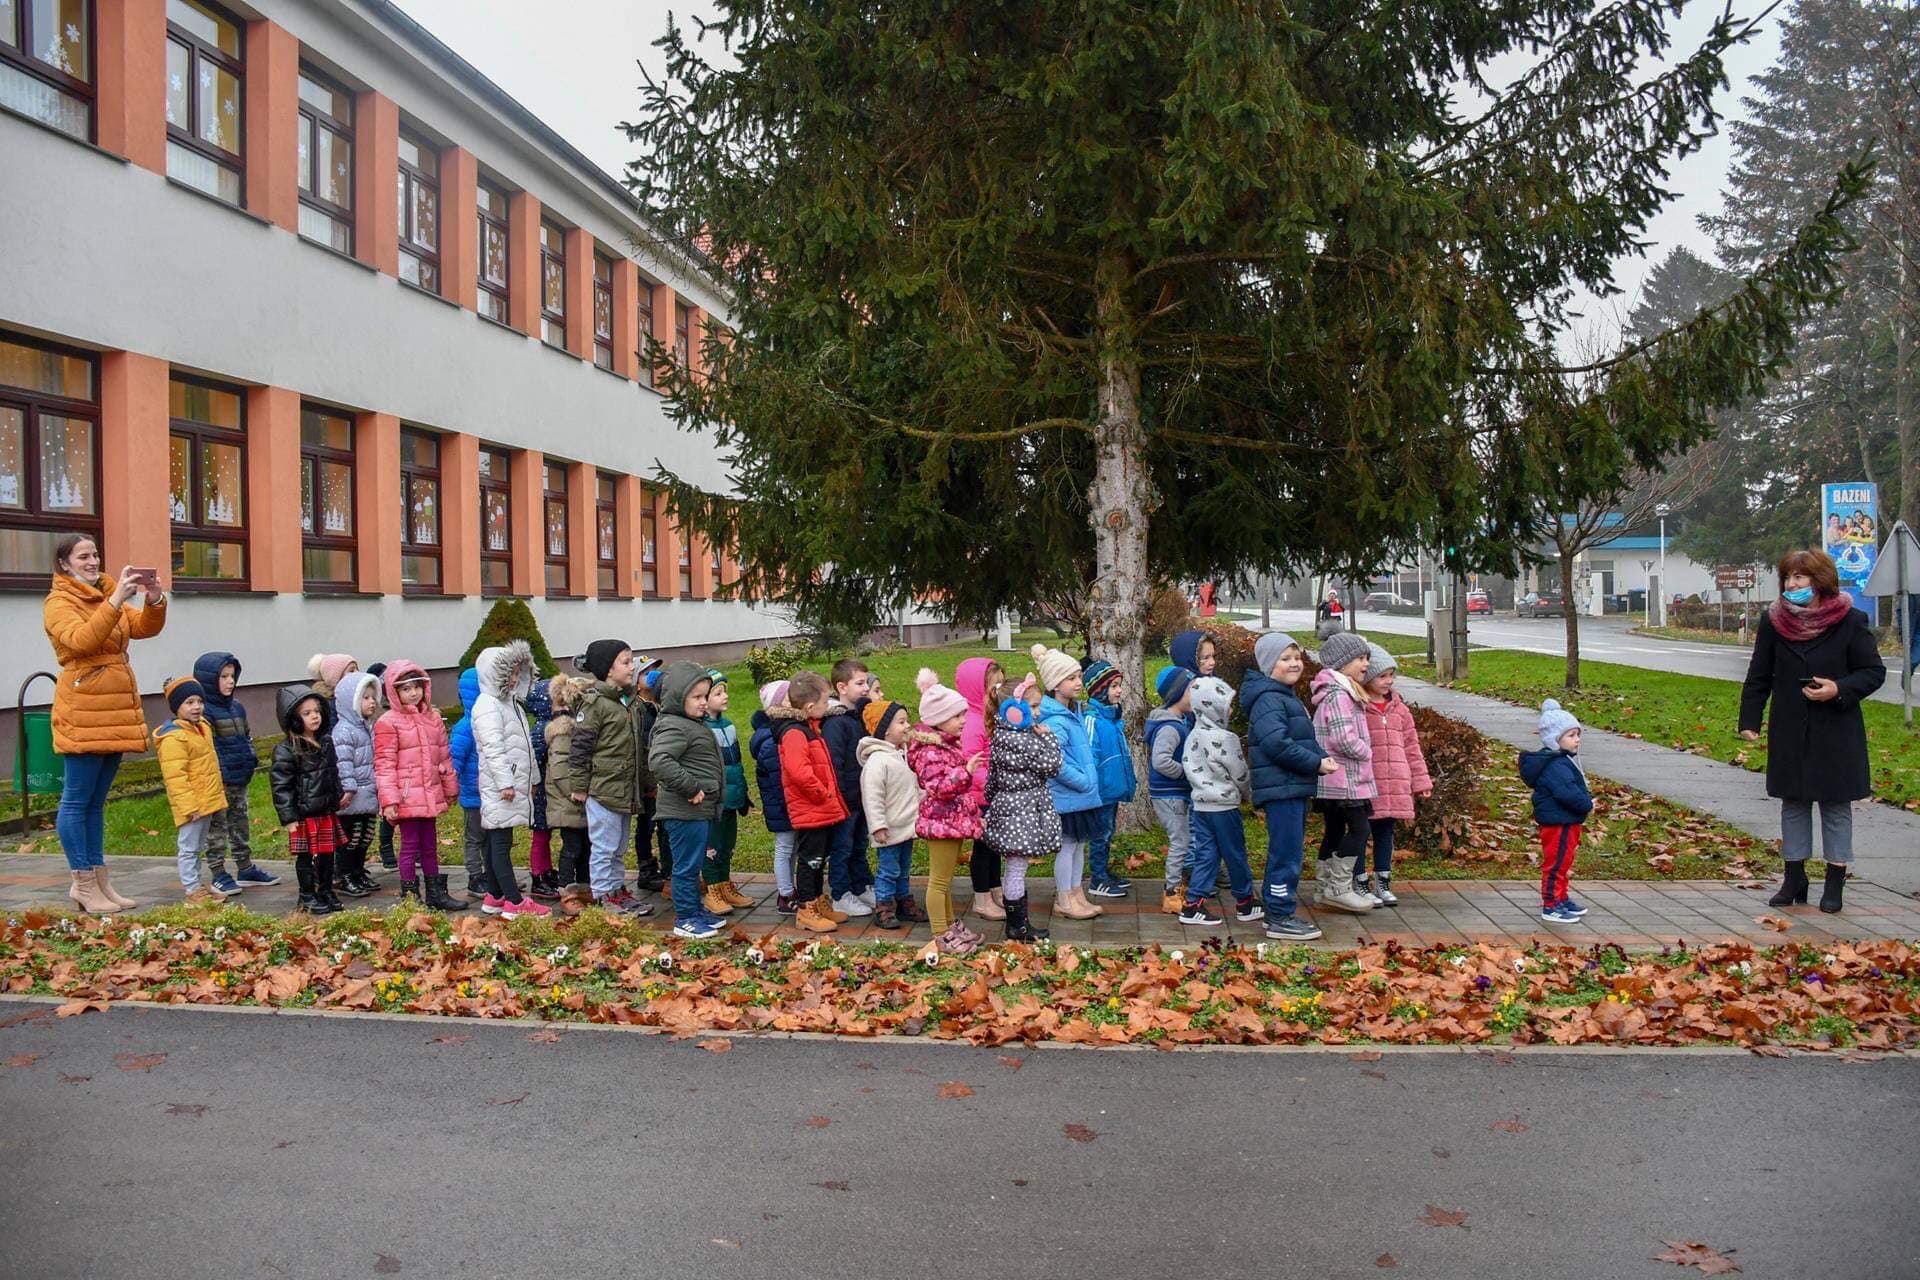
{"x":1860,"y":995}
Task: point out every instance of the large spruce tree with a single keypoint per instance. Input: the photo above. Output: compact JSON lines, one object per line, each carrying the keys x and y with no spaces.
{"x":1033,"y":296}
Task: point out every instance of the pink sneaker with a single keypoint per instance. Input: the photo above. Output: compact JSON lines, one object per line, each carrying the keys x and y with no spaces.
{"x":525,"y":907}
{"x":494,"y":906}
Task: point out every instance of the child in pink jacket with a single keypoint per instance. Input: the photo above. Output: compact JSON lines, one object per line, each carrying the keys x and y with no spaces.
{"x":1345,"y":796}
{"x":980,"y":682}
{"x":949,"y":805}
{"x":413,"y":772}
{"x":1399,"y":770}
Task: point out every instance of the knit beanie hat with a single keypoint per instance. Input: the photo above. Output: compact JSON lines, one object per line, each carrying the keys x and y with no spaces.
{"x":939,"y":703}
{"x":1268,"y":648}
{"x":877,"y":715}
{"x":180,"y":689}
{"x":1379,"y":662}
{"x":716,"y":676}
{"x":1096,"y":673}
{"x":1340,"y":648}
{"x":1555,"y":720}
{"x":600,"y":655}
{"x":329,"y":666}
{"x":773,"y":693}
{"x":1055,"y":666}
{"x":1172,"y":685}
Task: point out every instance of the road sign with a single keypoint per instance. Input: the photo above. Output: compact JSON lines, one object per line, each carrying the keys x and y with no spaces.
{"x":1733,"y":577}
{"x":1893,"y":572}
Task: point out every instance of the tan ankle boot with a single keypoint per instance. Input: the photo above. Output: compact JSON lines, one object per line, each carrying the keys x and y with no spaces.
{"x":1067,"y":903}
{"x":107,"y":890}
{"x":987,"y":906}
{"x":731,"y":892}
{"x":87,"y":896}
{"x":715,"y":901}
{"x":809,"y":918}
{"x":823,"y":906}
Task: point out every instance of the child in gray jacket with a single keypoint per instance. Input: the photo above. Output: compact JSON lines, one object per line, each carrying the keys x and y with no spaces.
{"x":1216,"y":768}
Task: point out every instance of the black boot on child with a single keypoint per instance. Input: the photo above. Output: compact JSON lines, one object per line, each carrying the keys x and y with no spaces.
{"x":1019,"y":928}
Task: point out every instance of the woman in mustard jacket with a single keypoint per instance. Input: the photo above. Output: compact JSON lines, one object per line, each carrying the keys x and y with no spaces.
{"x":96,"y":704}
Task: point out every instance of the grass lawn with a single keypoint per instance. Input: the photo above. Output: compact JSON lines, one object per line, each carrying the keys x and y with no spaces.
{"x":1698,"y":634}
{"x":1689,"y":713}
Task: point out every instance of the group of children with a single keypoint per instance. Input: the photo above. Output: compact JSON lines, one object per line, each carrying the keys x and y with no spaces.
{"x":1006,"y":771}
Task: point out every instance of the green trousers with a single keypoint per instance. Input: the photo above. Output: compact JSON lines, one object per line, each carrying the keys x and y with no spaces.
{"x":717,"y":866}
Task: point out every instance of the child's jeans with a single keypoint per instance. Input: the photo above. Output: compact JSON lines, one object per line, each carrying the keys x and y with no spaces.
{"x":722,"y":837}
{"x":783,"y":846}
{"x":896,"y":863}
{"x":1219,"y":834}
{"x":1286,"y":851}
{"x":607,"y":833}
{"x":231,"y":829}
{"x":687,"y":843}
{"x":188,"y":841}
{"x":417,"y":854}
{"x":1100,"y":844}
{"x":1558,"y":845}
{"x":812,"y":849}
{"x":847,"y":870}
{"x":1171,"y":812}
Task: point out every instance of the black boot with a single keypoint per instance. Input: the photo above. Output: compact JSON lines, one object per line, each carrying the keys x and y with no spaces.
{"x":323,"y":883}
{"x":1793,"y":889}
{"x":303,"y":874}
{"x":387,"y":859}
{"x":439,"y":899}
{"x":1019,"y":927}
{"x":1829,"y":892}
{"x":350,"y":875}
{"x":410,"y":893}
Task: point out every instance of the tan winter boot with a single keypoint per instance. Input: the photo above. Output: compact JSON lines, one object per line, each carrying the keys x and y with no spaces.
{"x":731,"y":892}
{"x":107,"y":890}
{"x":86,"y":895}
{"x":809,"y":918}
{"x":715,"y":901}
{"x":823,"y":907}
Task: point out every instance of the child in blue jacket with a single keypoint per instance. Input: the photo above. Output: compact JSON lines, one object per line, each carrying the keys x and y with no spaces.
{"x":1076,"y":788}
{"x":1287,"y":761}
{"x":1561,"y":803}
{"x":219,"y":676}
{"x":466,"y":767}
{"x":1113,"y":766}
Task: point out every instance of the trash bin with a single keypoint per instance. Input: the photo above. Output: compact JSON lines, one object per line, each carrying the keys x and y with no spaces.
{"x":36,"y":769}
{"x":1637,"y":600}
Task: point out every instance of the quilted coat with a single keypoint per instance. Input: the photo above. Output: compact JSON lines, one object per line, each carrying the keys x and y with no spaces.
{"x":96,"y":704}
{"x":1077,"y":786}
{"x":232,"y":741}
{"x":1560,"y":795}
{"x":766,"y":773}
{"x":503,"y":735}
{"x":842,"y":728}
{"x":1399,"y":766}
{"x":353,"y":745}
{"x":1285,"y":753}
{"x":190,"y":768}
{"x":1112,"y":758}
{"x":466,"y":762}
{"x":540,"y":712}
{"x":889,"y":793}
{"x":807,"y":780}
{"x":562,"y":810}
{"x":1341,"y":726}
{"x":412,"y":767}
{"x":948,"y":808}
{"x":970,"y":682}
{"x":1021,"y":821}
{"x":306,"y":780}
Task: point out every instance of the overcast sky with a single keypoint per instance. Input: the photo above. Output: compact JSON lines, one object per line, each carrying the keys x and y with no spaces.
{"x":584,"y":90}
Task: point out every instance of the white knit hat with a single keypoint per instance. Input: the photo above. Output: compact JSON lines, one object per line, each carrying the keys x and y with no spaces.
{"x":773,"y":693}
{"x":1055,"y":667}
{"x":937,"y":702}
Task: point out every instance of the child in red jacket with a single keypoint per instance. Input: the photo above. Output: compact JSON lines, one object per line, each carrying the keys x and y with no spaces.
{"x":812,"y":791}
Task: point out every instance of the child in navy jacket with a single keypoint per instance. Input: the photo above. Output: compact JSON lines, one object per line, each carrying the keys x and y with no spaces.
{"x":1561,"y":803}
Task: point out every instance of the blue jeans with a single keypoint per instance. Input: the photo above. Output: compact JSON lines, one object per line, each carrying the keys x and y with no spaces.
{"x":687,"y":841}
{"x":607,"y":848}
{"x":1100,"y":844}
{"x":1217,"y":834}
{"x":896,"y":863}
{"x":81,"y":822}
{"x":847,"y":869}
{"x":1286,"y":850}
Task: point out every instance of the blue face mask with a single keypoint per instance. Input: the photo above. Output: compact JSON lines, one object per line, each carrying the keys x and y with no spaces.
{"x":1799,"y":595}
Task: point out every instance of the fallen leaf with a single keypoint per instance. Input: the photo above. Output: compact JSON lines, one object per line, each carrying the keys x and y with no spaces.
{"x":384,"y":1265}
{"x":514,"y":1101}
{"x":1515,"y":1125}
{"x":1012,"y":1064}
{"x":545,"y":1035}
{"x":72,"y":1007}
{"x":1019,"y":1182}
{"x":1435,"y":1216}
{"x":834,"y":1185}
{"x":1078,"y":1132}
{"x":1369,"y":1071}
{"x":23,"y":1059}
{"x":818,"y":1122}
{"x":67,"y":1079}
{"x":1442,"y":1152}
{"x":724,"y":1243}
{"x":195,"y":1109}
{"x":28,"y":1016}
{"x":1385,"y":1262}
{"x":1365,"y":1055}
{"x":1774,"y":922}
{"x":1691,"y":1253}
{"x":450,"y":1038}
{"x":716,"y":1045}
{"x":284,"y":1143}
{"x":954,"y":1089}
{"x":138,"y":1061}
{"x":1768,"y":1051}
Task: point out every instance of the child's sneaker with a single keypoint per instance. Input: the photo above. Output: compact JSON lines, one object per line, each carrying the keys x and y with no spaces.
{"x":1570,"y":905}
{"x":1292,"y":929}
{"x":623,"y":901}
{"x":1558,"y":914}
{"x":1383,"y":892}
{"x":524,"y":907}
{"x":1115,"y":887}
{"x":1200,"y":913}
{"x":255,"y":874}
{"x":786,"y":904}
{"x":493,"y":906}
{"x":850,"y":905}
{"x":696,"y":927}
{"x":1249,"y":909}
{"x":866,"y":895}
{"x":224,"y":885}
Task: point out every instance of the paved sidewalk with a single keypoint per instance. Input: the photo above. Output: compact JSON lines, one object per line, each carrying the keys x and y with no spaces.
{"x":1886,"y":840}
{"x":1633,"y":913}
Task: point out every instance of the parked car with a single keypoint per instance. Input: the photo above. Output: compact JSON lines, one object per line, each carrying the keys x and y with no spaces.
{"x":1479,"y":602}
{"x":1388,"y":602}
{"x":1538,"y":604}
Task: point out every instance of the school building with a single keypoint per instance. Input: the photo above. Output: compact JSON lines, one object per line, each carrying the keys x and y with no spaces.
{"x":299,"y":306}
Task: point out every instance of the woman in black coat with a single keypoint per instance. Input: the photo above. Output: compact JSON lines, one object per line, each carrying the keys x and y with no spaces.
{"x":1814,"y":656}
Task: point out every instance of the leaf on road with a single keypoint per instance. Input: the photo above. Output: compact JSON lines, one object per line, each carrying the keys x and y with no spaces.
{"x":1365,"y":1055}
{"x":1691,"y":1253}
{"x":1769,"y":1051}
{"x":1514,"y":1125}
{"x":724,"y":1243}
{"x":384,"y":1265}
{"x":1435,"y":1216}
{"x":954,"y":1089}
{"x":138,"y":1061}
{"x":450,"y":1038}
{"x":545,"y":1035}
{"x":23,"y":1059}
{"x":28,"y":1016}
{"x":514,"y":1101}
{"x":717,"y":1045}
{"x":1012,"y":1064}
{"x":835,"y":1185}
{"x":1774,"y":922}
{"x":67,"y":1079}
{"x":818,"y":1122}
{"x":1078,"y":1132}
{"x":194,"y":1109}
{"x":72,"y":1007}
{"x":1385,"y":1262}
{"x":1442,"y":1152}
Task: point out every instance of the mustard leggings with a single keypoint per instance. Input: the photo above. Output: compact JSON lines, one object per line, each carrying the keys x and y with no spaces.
{"x":942,"y":857}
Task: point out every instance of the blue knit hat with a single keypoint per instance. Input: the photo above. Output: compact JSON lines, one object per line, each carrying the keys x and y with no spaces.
{"x":1555,"y":720}
{"x":1172,"y":685}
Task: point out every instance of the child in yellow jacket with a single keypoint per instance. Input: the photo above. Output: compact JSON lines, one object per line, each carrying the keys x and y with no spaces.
{"x":191,"y":770}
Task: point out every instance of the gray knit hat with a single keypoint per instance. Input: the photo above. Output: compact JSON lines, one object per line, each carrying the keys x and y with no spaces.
{"x":1555,"y":721}
{"x":1340,"y":648}
{"x":1268,"y":648}
{"x":1379,"y":662}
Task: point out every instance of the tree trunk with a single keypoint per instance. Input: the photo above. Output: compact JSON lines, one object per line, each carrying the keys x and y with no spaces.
{"x":1569,"y":609}
{"x":1119,"y":502}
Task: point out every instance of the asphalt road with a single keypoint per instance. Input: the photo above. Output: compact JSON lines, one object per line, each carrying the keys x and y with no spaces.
{"x":332,"y":1147}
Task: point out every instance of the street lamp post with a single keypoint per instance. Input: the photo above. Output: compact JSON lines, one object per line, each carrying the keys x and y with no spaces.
{"x":1663,"y":509}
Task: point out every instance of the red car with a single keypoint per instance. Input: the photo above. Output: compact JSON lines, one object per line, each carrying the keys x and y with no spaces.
{"x":1479,"y":602}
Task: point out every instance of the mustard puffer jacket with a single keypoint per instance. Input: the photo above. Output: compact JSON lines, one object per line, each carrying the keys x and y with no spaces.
{"x":190,"y":767}
{"x":96,"y":706}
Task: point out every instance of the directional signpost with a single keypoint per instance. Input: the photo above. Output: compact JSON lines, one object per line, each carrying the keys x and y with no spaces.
{"x":1734,"y":577}
{"x":1897,"y":573}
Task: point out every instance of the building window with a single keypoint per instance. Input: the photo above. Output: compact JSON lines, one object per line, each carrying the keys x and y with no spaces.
{"x":207,"y":482}
{"x":553,"y":495}
{"x":326,"y":162}
{"x":643,"y":333}
{"x":682,"y":333}
{"x":553,"y":285}
{"x":649,"y":546}
{"x":420,"y":512}
{"x":493,"y":253}
{"x":49,"y":440}
{"x":686,"y":562}
{"x":603,"y":311}
{"x":205,"y":105}
{"x":496,"y":523}
{"x":326,"y":499}
{"x":419,"y":213}
{"x":46,"y":62}
{"x":606,"y":529}
{"x":716,"y":567}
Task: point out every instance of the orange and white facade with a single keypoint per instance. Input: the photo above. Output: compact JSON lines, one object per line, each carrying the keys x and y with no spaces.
{"x":301,"y":308}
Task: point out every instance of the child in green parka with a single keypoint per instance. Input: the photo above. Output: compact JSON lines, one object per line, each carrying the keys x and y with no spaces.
{"x":721,"y":894}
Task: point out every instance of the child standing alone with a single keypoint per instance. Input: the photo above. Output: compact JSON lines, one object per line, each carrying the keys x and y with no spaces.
{"x":1561,"y":805}
{"x":190,"y":768}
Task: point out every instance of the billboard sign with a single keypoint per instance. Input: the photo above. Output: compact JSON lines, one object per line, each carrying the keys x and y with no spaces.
{"x":1850,"y":532}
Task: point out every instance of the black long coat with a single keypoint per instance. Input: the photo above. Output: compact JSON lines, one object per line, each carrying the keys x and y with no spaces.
{"x":1815,"y":750}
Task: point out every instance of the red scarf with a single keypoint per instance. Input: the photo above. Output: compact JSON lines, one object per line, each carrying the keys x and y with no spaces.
{"x":1802,"y":622}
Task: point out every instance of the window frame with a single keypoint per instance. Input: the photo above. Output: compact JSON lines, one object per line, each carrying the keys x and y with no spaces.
{"x":643,"y":334}
{"x":232,"y":64}
{"x":650,"y":546}
{"x":435,"y":550}
{"x":685,"y":568}
{"x":504,"y":486}
{"x":33,"y":404}
{"x":682,"y":335}
{"x":503,"y":291}
{"x":342,"y":130}
{"x":603,"y":305}
{"x":311,"y":456}
{"x":553,"y":259}
{"x":606,"y":504}
{"x":412,"y":176}
{"x":62,"y":81}
{"x":549,"y":468}
{"x":195,"y":528}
